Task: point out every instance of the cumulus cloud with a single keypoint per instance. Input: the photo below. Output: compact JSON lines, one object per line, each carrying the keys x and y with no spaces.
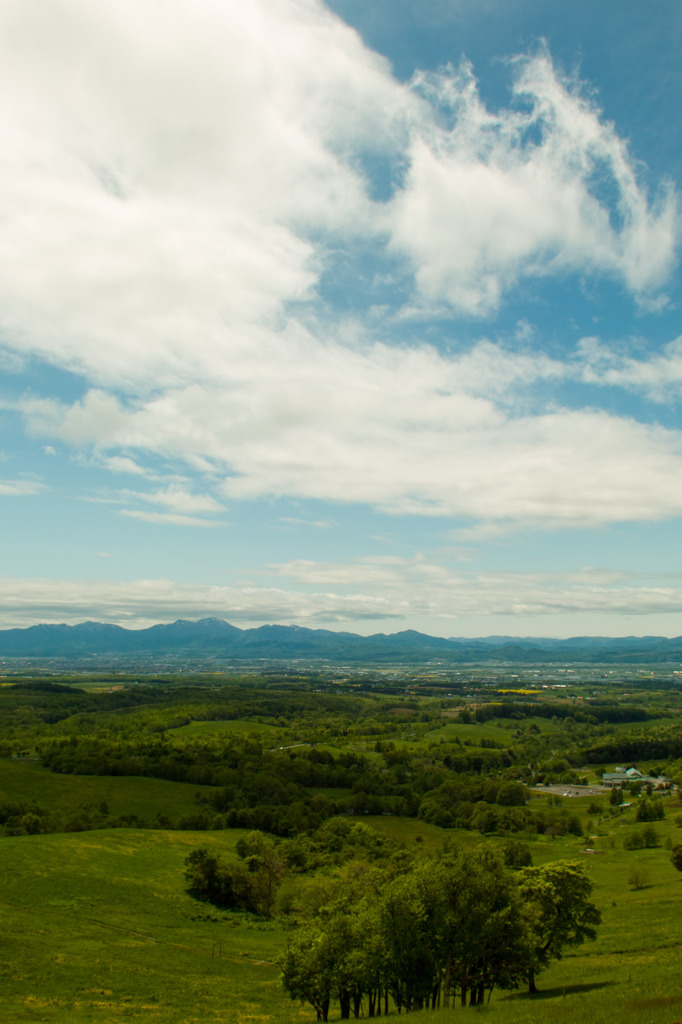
{"x":173,"y":197}
{"x":96,"y":419}
{"x":166,"y":196}
{"x":158,"y":186}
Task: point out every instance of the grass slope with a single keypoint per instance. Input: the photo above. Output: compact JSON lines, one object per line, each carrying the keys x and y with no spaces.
{"x":26,"y":782}
{"x":96,"y":926}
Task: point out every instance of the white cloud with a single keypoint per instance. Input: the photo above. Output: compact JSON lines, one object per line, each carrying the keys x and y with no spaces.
{"x":176,"y":498}
{"x":331,"y":574}
{"x":123,"y":464}
{"x":345,"y":594}
{"x":171,"y":194}
{"x":184,"y":507}
{"x":139,"y":603}
{"x":158,"y":185}
{"x":168,"y":518}
{"x":174,"y":200}
{"x":491,"y":198}
{"x":657,"y":375}
{"x":11,"y":362}
{"x":20,"y":488}
{"x":318,"y":524}
{"x":406,"y":431}
{"x":422,"y":587}
{"x":97,"y":418}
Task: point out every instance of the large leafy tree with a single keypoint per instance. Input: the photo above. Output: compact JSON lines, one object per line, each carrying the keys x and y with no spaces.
{"x":263,"y":860}
{"x":558,"y":911}
{"x":409,"y":931}
{"x":225,"y":885}
{"x":308,"y":968}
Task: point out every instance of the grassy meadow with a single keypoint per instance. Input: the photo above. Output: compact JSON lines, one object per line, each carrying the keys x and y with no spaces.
{"x":26,"y":781}
{"x":230,"y":727}
{"x":97,"y":927}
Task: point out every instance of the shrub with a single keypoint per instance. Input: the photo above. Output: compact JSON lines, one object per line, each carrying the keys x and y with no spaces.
{"x":676,"y":856}
{"x":638,"y":876}
{"x":634,"y":841}
{"x":651,"y":836}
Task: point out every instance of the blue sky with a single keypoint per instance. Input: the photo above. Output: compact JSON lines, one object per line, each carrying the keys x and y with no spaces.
{"x":362,"y":316}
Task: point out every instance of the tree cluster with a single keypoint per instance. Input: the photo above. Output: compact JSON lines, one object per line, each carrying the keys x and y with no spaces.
{"x":423,"y":932}
{"x":642,"y":838}
{"x":248,"y":884}
{"x":650,"y":809}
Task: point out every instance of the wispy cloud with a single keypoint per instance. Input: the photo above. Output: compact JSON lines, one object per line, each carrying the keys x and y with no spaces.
{"x":184,"y":507}
{"x":176,"y":498}
{"x":421,"y":586}
{"x":354,"y":594}
{"x":493,"y":197}
{"x":123,"y":464}
{"x":20,"y":488}
{"x":317,"y":524}
{"x":168,"y":518}
{"x":656,"y":375}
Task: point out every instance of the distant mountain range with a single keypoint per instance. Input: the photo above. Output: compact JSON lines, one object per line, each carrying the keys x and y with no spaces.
{"x":215,"y":640}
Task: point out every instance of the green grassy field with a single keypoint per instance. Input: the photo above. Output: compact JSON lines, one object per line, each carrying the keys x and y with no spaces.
{"x":474,"y":732}
{"x":407,"y":830}
{"x":26,"y":781}
{"x":230,"y":727}
{"x":97,"y":927}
